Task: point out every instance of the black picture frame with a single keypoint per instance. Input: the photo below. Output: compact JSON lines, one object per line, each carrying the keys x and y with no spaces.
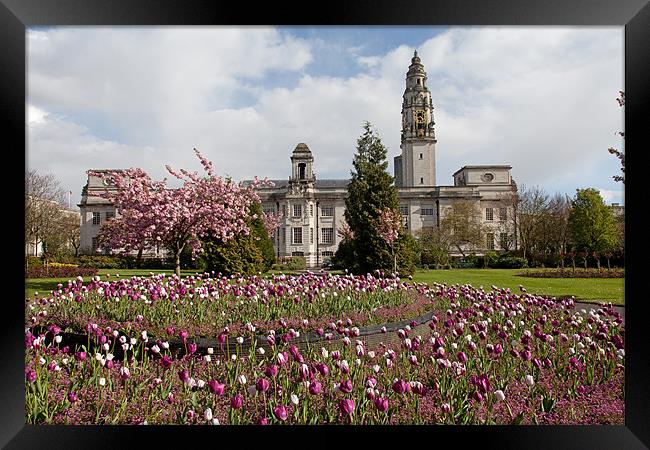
{"x":16,"y":15}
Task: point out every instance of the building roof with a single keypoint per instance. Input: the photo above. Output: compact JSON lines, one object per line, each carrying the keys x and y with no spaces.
{"x":332,"y":183}
{"x":485,"y":166}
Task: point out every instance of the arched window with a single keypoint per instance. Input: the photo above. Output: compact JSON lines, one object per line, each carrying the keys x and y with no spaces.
{"x":302,"y":168}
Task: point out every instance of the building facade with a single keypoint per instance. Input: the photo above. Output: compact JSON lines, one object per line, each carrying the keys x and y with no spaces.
{"x":312,"y":210}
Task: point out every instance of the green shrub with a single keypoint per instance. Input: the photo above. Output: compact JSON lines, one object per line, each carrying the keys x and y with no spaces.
{"x":33,"y":261}
{"x":294,"y":263}
{"x":510,"y":262}
{"x":103,"y":262}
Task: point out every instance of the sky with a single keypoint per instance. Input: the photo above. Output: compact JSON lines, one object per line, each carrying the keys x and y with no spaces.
{"x":541,"y":99}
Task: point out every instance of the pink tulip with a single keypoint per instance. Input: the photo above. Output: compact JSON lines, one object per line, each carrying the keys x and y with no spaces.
{"x":216,"y":387}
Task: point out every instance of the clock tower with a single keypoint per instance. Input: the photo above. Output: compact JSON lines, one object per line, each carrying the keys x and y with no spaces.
{"x":416,"y":166}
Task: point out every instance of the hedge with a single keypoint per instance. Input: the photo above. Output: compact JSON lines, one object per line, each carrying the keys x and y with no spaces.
{"x":570,"y":273}
{"x":59,"y":272}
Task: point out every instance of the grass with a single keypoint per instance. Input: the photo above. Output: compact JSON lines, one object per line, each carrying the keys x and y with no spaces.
{"x":583,"y":289}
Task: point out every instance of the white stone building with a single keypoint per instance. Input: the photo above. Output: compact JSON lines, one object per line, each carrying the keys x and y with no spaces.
{"x":312,"y":210}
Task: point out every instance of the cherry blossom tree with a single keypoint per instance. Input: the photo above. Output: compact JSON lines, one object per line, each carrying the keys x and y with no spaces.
{"x":271,"y":222}
{"x":620,"y":155}
{"x":389,"y":225}
{"x":150,"y":214}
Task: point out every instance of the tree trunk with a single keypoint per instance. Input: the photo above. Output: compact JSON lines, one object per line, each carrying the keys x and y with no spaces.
{"x":138,"y":260}
{"x":177,"y":270}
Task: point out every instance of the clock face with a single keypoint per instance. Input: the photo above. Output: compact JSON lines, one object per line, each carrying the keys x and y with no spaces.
{"x":419,"y":116}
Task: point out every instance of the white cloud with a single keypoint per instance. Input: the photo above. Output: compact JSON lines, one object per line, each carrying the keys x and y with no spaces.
{"x":540,"y":99}
{"x":611,"y":196}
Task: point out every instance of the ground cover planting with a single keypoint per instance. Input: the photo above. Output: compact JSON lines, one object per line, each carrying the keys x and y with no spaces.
{"x":484,"y":356}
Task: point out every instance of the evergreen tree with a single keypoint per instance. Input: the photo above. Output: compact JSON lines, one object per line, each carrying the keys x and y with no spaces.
{"x":592,"y":223}
{"x":371,"y":191}
{"x":244,"y":254}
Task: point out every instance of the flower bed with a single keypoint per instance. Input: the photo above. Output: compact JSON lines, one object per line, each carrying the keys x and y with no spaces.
{"x":577,"y":273}
{"x":484,"y":357}
{"x":203,"y":306}
{"x":55,"y":270}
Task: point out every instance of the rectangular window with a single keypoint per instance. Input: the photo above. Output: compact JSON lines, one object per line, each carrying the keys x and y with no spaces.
{"x":503,"y":240}
{"x":311,"y":210}
{"x":503,"y":213}
{"x":426,"y":211}
{"x":95,"y":243}
{"x":489,"y":214}
{"x":327,"y":235}
{"x":95,"y":218}
{"x":328,"y":211}
{"x":283,"y":235}
{"x":404,"y":210}
{"x":297,"y":235}
{"x":297,"y":253}
{"x":327,"y":254}
{"x":311,"y":235}
{"x":110,"y":215}
{"x":490,"y":241}
{"x":297,"y":210}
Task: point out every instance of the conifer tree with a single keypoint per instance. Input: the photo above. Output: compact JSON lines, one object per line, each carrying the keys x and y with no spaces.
{"x":371,"y":191}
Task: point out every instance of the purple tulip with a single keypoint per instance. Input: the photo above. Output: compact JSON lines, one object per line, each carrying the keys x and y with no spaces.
{"x":346,"y":386}
{"x":262,"y":421}
{"x":381,"y":404}
{"x":262,"y":384}
{"x":166,"y":362}
{"x":346,"y":406}
{"x":401,"y":386}
{"x":323,"y":369}
{"x":271,"y":371}
{"x":183,"y":335}
{"x":72,"y":397}
{"x":462,"y":357}
{"x":191,"y":348}
{"x":31,"y":376}
{"x":237,"y":402}
{"x":280,"y":412}
{"x":294,"y":351}
{"x":315,"y":387}
{"x":80,"y":356}
{"x":184,"y":375}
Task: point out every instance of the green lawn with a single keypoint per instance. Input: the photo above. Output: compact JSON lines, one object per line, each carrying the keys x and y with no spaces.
{"x":584,"y":289}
